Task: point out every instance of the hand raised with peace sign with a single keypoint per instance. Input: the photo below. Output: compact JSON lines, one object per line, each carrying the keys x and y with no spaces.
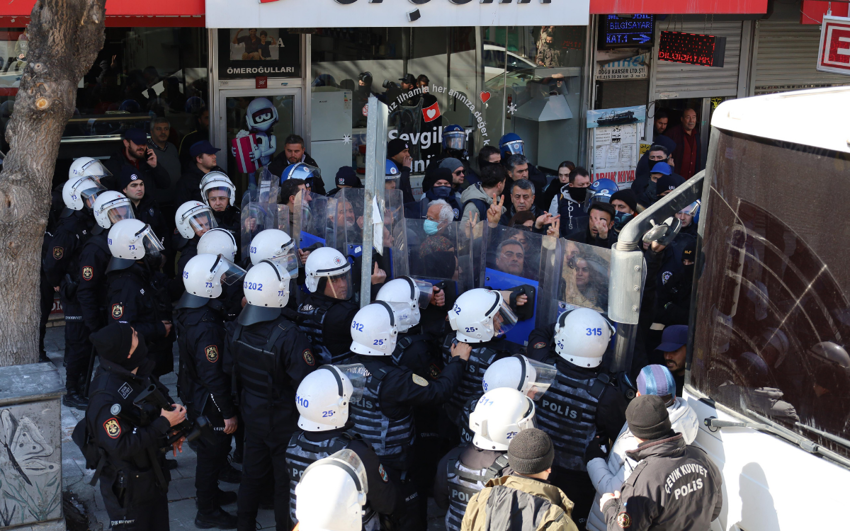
{"x":494,"y":213}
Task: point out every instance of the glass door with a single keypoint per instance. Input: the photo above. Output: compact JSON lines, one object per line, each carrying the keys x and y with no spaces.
{"x":254,"y":124}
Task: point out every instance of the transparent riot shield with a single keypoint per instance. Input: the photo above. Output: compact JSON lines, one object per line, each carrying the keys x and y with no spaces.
{"x":441,"y":258}
{"x":521,"y":264}
{"x":284,"y":219}
{"x":256,"y":217}
{"x":582,"y":279}
{"x":346,"y":224}
{"x":310,"y":220}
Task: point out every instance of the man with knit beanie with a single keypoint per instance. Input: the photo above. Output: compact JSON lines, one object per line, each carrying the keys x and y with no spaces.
{"x":541,"y":504}
{"x":134,"y":480}
{"x":674,"y":487}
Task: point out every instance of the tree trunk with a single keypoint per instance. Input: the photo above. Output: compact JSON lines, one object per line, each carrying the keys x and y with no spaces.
{"x":64,"y":39}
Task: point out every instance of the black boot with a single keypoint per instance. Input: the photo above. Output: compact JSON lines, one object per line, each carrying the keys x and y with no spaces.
{"x":74,"y":399}
{"x":215,"y":519}
{"x":229,"y":474}
{"x":226,"y":497}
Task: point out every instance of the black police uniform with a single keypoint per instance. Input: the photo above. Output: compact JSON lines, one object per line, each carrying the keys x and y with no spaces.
{"x":327,"y":324}
{"x":305,"y":448}
{"x":205,"y":389}
{"x":91,"y":292}
{"x":231,"y":220}
{"x":61,"y":268}
{"x":270,"y":357}
{"x":136,"y":297}
{"x":134,"y":481}
{"x":384,"y":418}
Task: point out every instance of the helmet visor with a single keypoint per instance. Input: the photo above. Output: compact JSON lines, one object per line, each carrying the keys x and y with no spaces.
{"x":349,"y":461}
{"x":119,"y":211}
{"x":230,"y":272}
{"x":602,"y":196}
{"x":88,"y":190}
{"x":96,"y":169}
{"x":691,"y":209}
{"x":504,"y":319}
{"x":357,"y":374}
{"x":514,"y":148}
{"x":219,"y":191}
{"x":289,"y":262}
{"x":202,"y":221}
{"x":153,"y":246}
{"x":403,"y":315}
{"x":541,"y":378}
{"x":339,"y":286}
{"x":426,"y":292}
{"x":455,"y":140}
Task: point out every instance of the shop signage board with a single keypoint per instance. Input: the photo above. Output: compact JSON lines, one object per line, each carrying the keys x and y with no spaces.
{"x":396,"y":13}
{"x":692,"y":48}
{"x":249,"y":53}
{"x":628,"y":68}
{"x":635,"y":31}
{"x":834,"y":50}
{"x":616,"y":141}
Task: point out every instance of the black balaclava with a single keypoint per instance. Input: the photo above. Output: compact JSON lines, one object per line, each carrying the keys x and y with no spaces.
{"x":113,"y":343}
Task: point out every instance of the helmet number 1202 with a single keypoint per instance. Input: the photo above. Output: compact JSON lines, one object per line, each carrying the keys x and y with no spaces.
{"x":594,"y":331}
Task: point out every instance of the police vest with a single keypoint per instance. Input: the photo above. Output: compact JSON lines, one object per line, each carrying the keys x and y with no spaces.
{"x":466,"y":433}
{"x":470,"y":388}
{"x":258,"y":366}
{"x":388,"y":437}
{"x":311,"y":321}
{"x":190,"y":387}
{"x":570,"y":212}
{"x":302,"y":453}
{"x":464,"y":483}
{"x":567,"y":412}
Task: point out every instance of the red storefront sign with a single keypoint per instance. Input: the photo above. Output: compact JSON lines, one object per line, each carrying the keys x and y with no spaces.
{"x":812,"y":12}
{"x":670,"y":7}
{"x":834,"y":50}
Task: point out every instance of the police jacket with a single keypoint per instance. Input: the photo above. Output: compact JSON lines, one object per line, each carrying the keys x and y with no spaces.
{"x":416,"y":352}
{"x":384,"y":415}
{"x":131,"y":441}
{"x":461,"y":474}
{"x":269,"y":357}
{"x":204,"y":386}
{"x":154,"y":178}
{"x":62,"y":257}
{"x":148,"y":211}
{"x":674,"y":487}
{"x":327,"y":324}
{"x":230,"y":219}
{"x":92,"y":289}
{"x":133,"y":300}
{"x":305,"y":448}
{"x":519,"y":503}
{"x":570,"y":210}
{"x":188,"y":250}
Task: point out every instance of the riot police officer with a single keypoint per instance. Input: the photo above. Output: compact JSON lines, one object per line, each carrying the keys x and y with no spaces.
{"x":277,"y":246}
{"x":270,"y":357}
{"x":332,"y":493}
{"x":133,"y":298}
{"x":498,"y":416}
{"x":384,"y":415}
{"x":219,"y":194}
{"x":330,"y":305}
{"x":61,"y":267}
{"x":478,"y":318}
{"x":582,"y":402}
{"x":193,"y":219}
{"x":323,"y":400}
{"x":132,"y":472}
{"x":204,"y":387}
{"x":222,"y":242}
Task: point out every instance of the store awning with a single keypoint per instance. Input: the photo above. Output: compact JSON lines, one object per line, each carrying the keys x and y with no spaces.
{"x":677,"y":7}
{"x":121,"y":13}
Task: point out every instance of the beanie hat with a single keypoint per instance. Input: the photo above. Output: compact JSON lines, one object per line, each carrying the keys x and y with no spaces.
{"x":648,"y":418}
{"x":434,"y":175}
{"x":346,"y":176}
{"x":628,"y":197}
{"x":113,"y":343}
{"x":128,"y":175}
{"x":450,"y":164}
{"x":395,"y":146}
{"x":656,"y":380}
{"x":531,"y":452}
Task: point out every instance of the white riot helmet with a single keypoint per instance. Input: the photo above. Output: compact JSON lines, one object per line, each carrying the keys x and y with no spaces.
{"x":531,"y":378}
{"x":416,"y":293}
{"x":374,"y":331}
{"x":327,"y":262}
{"x":479,"y":315}
{"x":332,"y":493}
{"x":132,"y":239}
{"x":323,"y":396}
{"x":218,"y":241}
{"x":499,"y":416}
{"x":272,"y":244}
{"x":204,"y":274}
{"x":267,"y":285}
{"x":81,"y":192}
{"x":111,"y":207}
{"x":88,"y":167}
{"x":581,"y":337}
{"x":216,"y":180}
{"x":193,"y":216}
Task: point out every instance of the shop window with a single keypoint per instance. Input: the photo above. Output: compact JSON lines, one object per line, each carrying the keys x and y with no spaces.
{"x":772,"y":337}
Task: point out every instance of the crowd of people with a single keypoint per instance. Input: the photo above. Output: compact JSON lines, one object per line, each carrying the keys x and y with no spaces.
{"x":449,"y":382}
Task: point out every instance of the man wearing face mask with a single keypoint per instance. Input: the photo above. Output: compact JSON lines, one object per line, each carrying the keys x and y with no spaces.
{"x":625,"y":206}
{"x":435,"y":186}
{"x":660,"y":151}
{"x":570,"y":203}
{"x":134,"y":480}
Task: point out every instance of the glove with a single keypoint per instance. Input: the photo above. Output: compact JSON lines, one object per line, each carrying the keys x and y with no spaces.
{"x":595,"y":449}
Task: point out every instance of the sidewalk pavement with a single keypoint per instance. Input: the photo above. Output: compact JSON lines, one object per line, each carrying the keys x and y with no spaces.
{"x":181,"y":491}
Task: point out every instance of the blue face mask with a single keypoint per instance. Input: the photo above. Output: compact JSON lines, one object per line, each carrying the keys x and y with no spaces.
{"x":621,"y":218}
{"x":441,"y":192}
{"x":431,"y":227}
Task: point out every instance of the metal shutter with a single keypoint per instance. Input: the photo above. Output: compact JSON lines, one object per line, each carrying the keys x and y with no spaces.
{"x":676,"y":80}
{"x":786,"y":55}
